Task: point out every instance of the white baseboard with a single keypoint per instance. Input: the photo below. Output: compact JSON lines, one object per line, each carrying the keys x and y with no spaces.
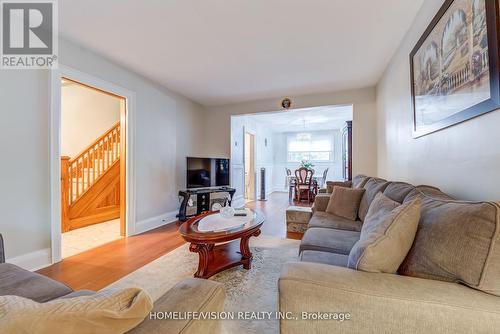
{"x":34,"y":260}
{"x":154,"y":222}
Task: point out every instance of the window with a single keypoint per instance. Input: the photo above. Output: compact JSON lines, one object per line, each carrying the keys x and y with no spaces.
{"x":313,"y":146}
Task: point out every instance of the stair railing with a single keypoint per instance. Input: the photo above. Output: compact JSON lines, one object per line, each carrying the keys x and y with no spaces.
{"x":78,"y":174}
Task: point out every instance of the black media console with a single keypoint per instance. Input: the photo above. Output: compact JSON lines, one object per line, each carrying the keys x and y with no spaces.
{"x":197,"y":201}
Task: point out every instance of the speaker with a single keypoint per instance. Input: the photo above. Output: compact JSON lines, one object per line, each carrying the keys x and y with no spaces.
{"x":192,"y":205}
{"x":262,"y":184}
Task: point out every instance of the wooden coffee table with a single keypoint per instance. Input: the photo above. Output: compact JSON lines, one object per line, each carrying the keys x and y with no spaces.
{"x":222,"y":247}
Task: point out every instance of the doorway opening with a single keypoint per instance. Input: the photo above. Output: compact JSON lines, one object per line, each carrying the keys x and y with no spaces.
{"x":249,"y":145}
{"x":276,"y":144}
{"x":93,"y":166}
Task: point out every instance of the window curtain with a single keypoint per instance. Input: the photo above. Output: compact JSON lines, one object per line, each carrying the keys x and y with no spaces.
{"x":317,"y":145}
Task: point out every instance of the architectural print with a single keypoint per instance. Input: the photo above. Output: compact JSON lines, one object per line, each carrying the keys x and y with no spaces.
{"x":451,"y":66}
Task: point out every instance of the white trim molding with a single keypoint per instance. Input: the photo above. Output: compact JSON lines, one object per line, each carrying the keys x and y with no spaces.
{"x":155,"y":222}
{"x":34,"y":260}
{"x":55,"y":149}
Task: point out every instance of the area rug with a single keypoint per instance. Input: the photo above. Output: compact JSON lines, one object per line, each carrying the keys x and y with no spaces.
{"x":254,"y":290}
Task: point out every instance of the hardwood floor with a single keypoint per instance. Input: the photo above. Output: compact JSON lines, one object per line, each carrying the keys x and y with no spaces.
{"x":275,"y":211}
{"x":101,"y":266}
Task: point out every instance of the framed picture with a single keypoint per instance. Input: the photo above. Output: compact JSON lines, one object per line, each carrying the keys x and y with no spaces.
{"x":454,"y":66}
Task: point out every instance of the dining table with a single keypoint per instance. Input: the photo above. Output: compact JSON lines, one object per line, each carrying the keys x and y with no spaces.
{"x":290,"y":181}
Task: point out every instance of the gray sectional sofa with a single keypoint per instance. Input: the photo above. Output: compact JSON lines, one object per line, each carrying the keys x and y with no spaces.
{"x":190,"y":295}
{"x":449,"y":281}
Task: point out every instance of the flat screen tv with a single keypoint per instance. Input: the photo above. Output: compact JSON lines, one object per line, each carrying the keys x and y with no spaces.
{"x":207,"y":172}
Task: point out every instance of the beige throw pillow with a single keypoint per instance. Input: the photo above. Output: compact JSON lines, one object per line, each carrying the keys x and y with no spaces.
{"x":456,"y":241}
{"x":108,"y":311}
{"x":386,"y":236}
{"x":344,"y":202}
{"x":331,"y":184}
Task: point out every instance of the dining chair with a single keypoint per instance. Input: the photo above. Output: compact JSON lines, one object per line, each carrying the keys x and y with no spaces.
{"x":288,"y":181}
{"x":303,"y":183}
{"x":323,"y":180}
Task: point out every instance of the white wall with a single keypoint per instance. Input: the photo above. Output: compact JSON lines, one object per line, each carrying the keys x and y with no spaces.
{"x":281,"y":160}
{"x":463,"y":160}
{"x":85,"y":115}
{"x":218,"y":120}
{"x":167,"y":128}
{"x":263,"y":154}
{"x":24,"y":144}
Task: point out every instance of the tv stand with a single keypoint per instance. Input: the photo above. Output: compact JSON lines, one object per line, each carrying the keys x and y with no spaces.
{"x":197,"y":201}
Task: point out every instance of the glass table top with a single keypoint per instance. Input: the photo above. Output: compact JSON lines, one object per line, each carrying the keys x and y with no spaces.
{"x":214,"y":222}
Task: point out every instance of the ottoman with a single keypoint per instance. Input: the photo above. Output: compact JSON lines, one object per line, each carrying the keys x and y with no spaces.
{"x":297,"y":218}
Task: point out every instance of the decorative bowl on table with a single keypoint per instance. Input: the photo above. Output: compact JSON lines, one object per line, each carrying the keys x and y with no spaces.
{"x":227,"y":211}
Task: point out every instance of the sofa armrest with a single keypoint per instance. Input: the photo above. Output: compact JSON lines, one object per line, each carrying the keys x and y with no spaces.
{"x":2,"y":250}
{"x":320,"y":202}
{"x":190,"y":295}
{"x":381,"y":303}
{"x":322,"y":191}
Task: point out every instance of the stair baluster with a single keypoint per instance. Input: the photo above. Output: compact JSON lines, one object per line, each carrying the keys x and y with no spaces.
{"x":81,"y":172}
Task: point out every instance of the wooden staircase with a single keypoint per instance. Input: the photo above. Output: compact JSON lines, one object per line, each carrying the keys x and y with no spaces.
{"x":90,"y":183}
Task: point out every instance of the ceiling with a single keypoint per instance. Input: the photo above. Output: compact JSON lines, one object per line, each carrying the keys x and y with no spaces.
{"x":218,"y":51}
{"x":306,"y":119}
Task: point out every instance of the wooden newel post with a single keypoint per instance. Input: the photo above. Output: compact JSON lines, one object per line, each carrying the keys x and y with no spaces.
{"x":65,"y":194}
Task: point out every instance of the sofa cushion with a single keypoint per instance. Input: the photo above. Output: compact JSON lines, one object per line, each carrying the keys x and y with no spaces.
{"x":410,"y":305}
{"x":372,"y":187}
{"x":190,"y":295}
{"x":324,"y":257}
{"x":329,"y":240}
{"x":397,"y":191}
{"x":344,"y":202}
{"x":19,"y":282}
{"x":327,"y":220}
{"x":456,"y":241}
{"x":386,"y":236}
{"x":359,"y":181}
{"x":429,"y":191}
{"x":107,"y":311}
{"x":331,"y":184}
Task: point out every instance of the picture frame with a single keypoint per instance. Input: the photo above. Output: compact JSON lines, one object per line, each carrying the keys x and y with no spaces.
{"x":454,"y":69}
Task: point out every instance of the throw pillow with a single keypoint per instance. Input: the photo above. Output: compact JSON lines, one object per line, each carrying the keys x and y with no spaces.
{"x":344,"y":202}
{"x":331,"y":184}
{"x":359,"y":181}
{"x":456,"y":241}
{"x":386,"y":236}
{"x":107,"y":311}
{"x":372,"y":188}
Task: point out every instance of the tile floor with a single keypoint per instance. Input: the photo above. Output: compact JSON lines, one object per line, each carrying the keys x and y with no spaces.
{"x":85,"y":238}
